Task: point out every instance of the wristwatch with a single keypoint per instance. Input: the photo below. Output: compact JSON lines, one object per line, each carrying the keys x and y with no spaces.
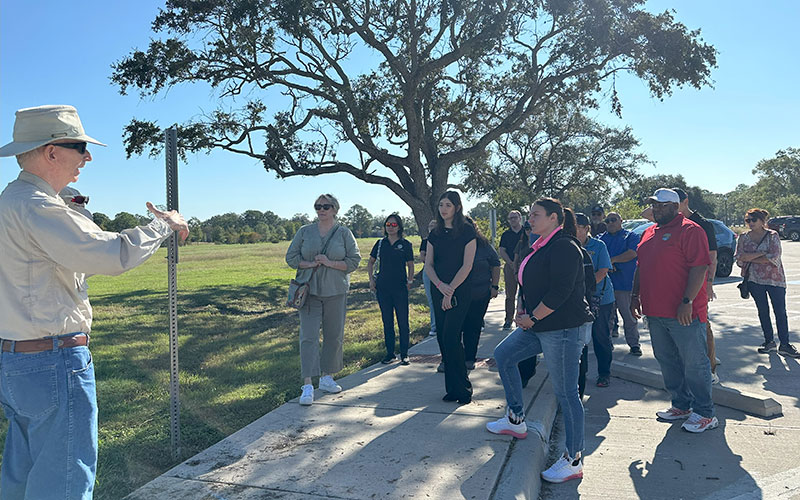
{"x":534,"y":319}
{"x":686,"y":300}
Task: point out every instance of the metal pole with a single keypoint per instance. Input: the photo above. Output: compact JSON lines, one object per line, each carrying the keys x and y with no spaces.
{"x":171,"y":150}
{"x":493,"y":222}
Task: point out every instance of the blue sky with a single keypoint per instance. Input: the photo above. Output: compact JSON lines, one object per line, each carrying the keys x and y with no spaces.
{"x":60,"y":53}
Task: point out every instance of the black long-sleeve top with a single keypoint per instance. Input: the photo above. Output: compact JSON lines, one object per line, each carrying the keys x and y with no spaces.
{"x":554,"y":275}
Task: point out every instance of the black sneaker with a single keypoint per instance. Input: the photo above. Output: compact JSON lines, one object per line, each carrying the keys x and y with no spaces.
{"x":768,"y":347}
{"x":636,"y":351}
{"x":388,"y":359}
{"x":440,"y":368}
{"x":470,"y":365}
{"x":405,"y":361}
{"x":603,"y":381}
{"x":507,"y":325}
{"x":789,"y":351}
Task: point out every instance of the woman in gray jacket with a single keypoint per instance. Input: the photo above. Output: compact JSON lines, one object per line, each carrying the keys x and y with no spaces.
{"x":328,"y":276}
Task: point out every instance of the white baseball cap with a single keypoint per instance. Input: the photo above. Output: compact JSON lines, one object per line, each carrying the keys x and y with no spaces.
{"x":664,"y":195}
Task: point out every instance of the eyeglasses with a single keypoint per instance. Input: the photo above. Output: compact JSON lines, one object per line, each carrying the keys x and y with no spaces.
{"x":80,"y":147}
{"x":80,"y":200}
{"x":749,"y":220}
{"x":324,"y":206}
{"x":392,"y":224}
{"x":610,"y":221}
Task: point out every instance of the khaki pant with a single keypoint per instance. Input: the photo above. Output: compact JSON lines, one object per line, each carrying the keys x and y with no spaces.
{"x":329,"y":313}
{"x":510,"y":278}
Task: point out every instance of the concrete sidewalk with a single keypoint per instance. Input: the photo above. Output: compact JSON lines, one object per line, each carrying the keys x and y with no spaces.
{"x":387,"y":435}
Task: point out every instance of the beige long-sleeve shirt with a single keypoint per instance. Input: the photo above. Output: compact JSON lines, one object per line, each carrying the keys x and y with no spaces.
{"x":44,"y":248}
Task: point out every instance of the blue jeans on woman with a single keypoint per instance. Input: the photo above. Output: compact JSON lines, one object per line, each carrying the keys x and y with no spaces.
{"x":427,"y":282}
{"x":562,"y":352}
{"x":394,"y":300}
{"x":50,"y":403}
{"x":777,"y":295}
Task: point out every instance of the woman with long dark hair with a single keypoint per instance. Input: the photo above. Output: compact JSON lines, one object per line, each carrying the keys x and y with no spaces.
{"x":550,"y":315}
{"x":451,"y":252}
{"x":395,"y":258}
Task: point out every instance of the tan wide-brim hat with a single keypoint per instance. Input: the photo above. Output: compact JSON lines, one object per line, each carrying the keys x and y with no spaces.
{"x":42,"y":125}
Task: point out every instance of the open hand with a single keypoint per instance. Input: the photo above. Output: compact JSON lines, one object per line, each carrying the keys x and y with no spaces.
{"x":175,"y":220}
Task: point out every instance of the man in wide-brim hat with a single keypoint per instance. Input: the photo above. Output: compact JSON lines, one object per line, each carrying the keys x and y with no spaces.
{"x":48,"y":386}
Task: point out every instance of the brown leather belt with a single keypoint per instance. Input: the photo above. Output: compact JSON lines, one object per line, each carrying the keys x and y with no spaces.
{"x":40,"y":345}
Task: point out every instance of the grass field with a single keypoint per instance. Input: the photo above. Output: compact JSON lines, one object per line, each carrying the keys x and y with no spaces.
{"x":238,"y":352}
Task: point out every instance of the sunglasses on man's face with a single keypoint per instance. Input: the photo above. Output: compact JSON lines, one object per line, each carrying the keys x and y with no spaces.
{"x":392,"y":224}
{"x":611,"y":221}
{"x":80,"y":147}
{"x":324,"y":206}
{"x":80,"y":200}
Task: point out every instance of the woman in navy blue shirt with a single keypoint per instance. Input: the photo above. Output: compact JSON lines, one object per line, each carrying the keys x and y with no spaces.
{"x":451,"y":252}
{"x":395,"y":258}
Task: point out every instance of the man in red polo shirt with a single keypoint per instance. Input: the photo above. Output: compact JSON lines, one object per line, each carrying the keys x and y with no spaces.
{"x":669,"y":287}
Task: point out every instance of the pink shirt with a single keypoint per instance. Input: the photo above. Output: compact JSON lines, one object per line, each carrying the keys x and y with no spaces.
{"x":539,"y":243}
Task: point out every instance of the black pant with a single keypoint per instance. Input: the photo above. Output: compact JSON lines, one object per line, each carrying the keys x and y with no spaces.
{"x":448,"y":333}
{"x":472,"y":326}
{"x":393,"y":300}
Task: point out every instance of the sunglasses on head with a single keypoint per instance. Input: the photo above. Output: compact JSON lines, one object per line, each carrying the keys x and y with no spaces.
{"x":80,"y":147}
{"x":324,"y":206}
{"x":392,"y":224}
{"x":80,"y":200}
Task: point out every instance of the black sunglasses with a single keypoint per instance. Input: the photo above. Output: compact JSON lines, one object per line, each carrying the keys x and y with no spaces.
{"x":80,"y":200}
{"x":609,"y":221}
{"x":324,"y":206}
{"x":754,"y":220}
{"x":80,"y":147}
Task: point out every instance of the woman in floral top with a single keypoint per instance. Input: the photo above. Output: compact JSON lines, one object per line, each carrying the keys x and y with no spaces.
{"x":758,"y":253}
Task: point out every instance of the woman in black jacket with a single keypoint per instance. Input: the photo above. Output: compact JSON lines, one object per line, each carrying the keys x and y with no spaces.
{"x":550,"y":315}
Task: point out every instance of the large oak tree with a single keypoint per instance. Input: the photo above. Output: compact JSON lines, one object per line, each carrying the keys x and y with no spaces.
{"x":414,"y":87}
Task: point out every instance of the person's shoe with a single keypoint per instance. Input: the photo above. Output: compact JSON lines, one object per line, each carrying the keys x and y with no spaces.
{"x":308,"y":395}
{"x":387,"y":359}
{"x":698,"y":423}
{"x":565,"y":469}
{"x":674,"y":414}
{"x":405,"y":361}
{"x":440,"y":368}
{"x":327,"y":384}
{"x":432,"y":333}
{"x":714,"y":378}
{"x":603,"y":381}
{"x":788,"y":350}
{"x":767,"y":347}
{"x":462,"y":400}
{"x":470,"y":365}
{"x":636,"y":351}
{"x":507,"y":325}
{"x":717,"y":361}
{"x":505,"y":426}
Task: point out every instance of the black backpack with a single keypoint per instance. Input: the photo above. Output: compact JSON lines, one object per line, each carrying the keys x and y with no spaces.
{"x":590,"y":283}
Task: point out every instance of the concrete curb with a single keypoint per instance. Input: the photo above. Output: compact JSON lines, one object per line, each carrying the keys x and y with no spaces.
{"x":520,"y":476}
{"x":732,"y":398}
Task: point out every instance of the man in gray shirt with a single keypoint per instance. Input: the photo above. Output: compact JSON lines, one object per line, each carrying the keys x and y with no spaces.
{"x":48,"y":386}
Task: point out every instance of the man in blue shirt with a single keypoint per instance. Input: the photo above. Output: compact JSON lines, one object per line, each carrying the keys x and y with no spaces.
{"x":622,"y":245}
{"x":601,"y":334}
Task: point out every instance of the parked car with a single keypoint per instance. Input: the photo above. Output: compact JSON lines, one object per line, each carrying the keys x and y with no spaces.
{"x":630,"y":224}
{"x":790,"y":228}
{"x":776,"y":222}
{"x":726,"y":245}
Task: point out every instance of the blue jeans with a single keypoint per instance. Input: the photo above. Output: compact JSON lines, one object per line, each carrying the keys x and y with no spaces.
{"x":777,"y":295}
{"x":601,"y":339}
{"x":682,"y":353}
{"x":394,"y":301}
{"x":51,"y":445}
{"x":562,"y":351}
{"x":427,"y":282}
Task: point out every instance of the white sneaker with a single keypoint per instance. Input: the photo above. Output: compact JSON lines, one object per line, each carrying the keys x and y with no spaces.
{"x":327,"y":384}
{"x":432,"y":333}
{"x":674,"y":414}
{"x":698,"y":423}
{"x":563,"y":470}
{"x":308,"y":395}
{"x":714,"y":378}
{"x":504,"y":426}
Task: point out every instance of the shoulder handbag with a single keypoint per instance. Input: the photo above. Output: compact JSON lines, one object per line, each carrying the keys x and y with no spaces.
{"x":298,"y":290}
{"x":744,"y":289}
